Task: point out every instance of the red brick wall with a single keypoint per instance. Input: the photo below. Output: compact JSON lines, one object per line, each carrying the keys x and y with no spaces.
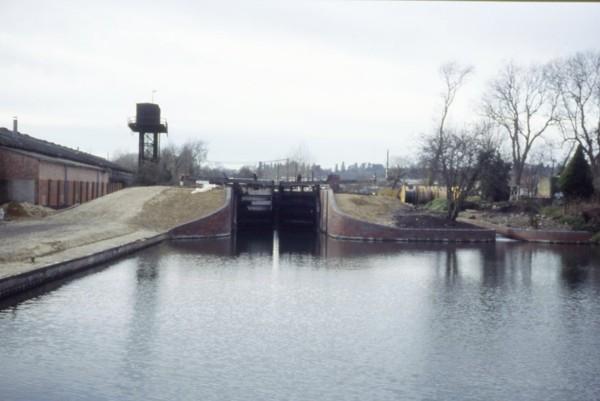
{"x":69,"y":193}
{"x":82,"y":184}
{"x":42,"y":191}
{"x":17,"y":166}
{"x":52,"y":192}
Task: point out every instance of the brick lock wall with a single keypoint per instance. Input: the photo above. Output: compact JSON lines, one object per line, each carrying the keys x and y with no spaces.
{"x":339,"y":225}
{"x":216,"y":224}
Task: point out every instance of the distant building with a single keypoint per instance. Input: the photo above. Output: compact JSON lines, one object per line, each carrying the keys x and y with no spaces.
{"x":44,"y":173}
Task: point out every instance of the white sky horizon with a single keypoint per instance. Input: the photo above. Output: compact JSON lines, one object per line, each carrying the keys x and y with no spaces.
{"x":255,"y":80}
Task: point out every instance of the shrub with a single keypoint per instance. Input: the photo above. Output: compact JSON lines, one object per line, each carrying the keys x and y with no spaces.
{"x":553,"y":212}
{"x":494,"y":179}
{"x":437,"y":205}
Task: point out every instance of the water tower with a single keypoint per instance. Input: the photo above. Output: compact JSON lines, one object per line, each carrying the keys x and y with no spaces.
{"x":149,"y":125}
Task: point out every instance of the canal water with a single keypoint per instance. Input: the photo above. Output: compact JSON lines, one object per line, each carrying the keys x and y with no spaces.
{"x":304,"y":318}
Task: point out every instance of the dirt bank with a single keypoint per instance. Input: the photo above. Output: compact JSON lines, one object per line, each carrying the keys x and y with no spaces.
{"x":121,"y":217}
{"x":25,"y":210}
{"x":375,"y":209}
{"x":514,"y":220}
{"x":177,"y":206}
{"x":389,"y":211}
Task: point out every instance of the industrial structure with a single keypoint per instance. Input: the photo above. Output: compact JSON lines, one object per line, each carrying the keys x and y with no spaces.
{"x":149,"y":125}
{"x":44,"y":173}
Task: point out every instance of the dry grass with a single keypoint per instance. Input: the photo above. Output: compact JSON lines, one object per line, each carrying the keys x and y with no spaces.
{"x":376,"y":209}
{"x":176,"y":206}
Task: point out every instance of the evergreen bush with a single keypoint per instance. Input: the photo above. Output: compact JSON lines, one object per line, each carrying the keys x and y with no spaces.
{"x":576,"y":179}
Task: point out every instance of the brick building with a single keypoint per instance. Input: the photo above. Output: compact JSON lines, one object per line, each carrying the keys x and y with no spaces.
{"x":44,"y":173}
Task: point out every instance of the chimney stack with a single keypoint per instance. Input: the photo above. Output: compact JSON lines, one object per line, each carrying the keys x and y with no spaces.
{"x":15,"y":125}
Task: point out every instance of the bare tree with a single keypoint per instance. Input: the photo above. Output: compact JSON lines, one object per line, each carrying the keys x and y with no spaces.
{"x":521,"y":102}
{"x":576,"y":81}
{"x":128,"y":161}
{"x":461,"y":156}
{"x":191,"y":155}
{"x":398,"y":170}
{"x":184,"y":160}
{"x":299,"y":162}
{"x":454,"y":76}
{"x":175,"y":161}
{"x":245,"y":172}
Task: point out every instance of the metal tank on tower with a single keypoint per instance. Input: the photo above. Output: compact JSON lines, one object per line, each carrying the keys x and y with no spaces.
{"x":149,"y":125}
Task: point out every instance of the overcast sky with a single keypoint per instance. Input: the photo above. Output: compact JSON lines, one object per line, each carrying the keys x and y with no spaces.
{"x":344,"y":79}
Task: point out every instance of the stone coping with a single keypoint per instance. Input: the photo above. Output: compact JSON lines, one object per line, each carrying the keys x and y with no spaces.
{"x":542,"y":236}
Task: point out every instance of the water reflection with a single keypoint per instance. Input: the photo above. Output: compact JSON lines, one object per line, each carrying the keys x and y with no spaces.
{"x":492,"y":258}
{"x":255,"y":244}
{"x":213,"y":247}
{"x":499,"y":264}
{"x":452,"y":269}
{"x":301,"y":316}
{"x":575,"y":268}
{"x":142,"y":326}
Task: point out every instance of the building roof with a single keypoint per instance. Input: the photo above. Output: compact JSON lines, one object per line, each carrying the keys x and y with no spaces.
{"x":28,"y":143}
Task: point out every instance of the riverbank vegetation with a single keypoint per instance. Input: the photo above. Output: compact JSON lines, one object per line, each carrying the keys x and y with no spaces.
{"x":522,"y":109}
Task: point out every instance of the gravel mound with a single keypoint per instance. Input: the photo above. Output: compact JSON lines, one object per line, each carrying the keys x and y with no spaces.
{"x":20,"y":210}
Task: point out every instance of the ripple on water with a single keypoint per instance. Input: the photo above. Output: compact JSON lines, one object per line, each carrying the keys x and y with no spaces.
{"x":204,"y":320}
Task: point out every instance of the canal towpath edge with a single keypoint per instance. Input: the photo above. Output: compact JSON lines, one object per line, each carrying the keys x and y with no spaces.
{"x":96,"y":233}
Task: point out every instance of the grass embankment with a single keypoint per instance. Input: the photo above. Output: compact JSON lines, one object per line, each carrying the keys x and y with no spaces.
{"x":375,"y":209}
{"x":177,"y":206}
{"x":389,"y":211}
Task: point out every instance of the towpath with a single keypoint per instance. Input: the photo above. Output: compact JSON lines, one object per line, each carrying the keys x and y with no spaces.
{"x":119,"y":218}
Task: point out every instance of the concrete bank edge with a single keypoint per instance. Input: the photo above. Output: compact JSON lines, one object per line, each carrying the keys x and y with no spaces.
{"x":28,"y":280}
{"x":539,"y":236}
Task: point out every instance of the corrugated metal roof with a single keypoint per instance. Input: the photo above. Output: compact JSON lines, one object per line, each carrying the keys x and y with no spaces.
{"x":31,"y":144}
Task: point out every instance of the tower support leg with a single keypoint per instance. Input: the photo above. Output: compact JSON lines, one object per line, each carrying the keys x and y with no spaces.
{"x":141,"y":150}
{"x":155,"y":147}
